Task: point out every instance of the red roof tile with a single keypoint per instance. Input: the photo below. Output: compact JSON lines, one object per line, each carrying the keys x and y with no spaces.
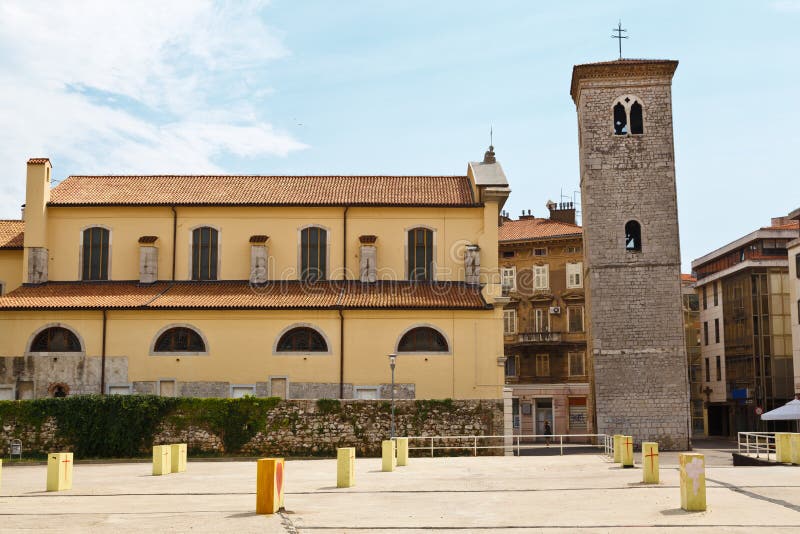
{"x":38,"y":161}
{"x":264,"y":190}
{"x":242,"y":295}
{"x":688,"y":278}
{"x":791,"y":225}
{"x":12,"y":234}
{"x":534,"y":229}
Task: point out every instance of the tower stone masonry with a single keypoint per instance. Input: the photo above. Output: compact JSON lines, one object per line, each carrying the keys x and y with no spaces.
{"x":631,"y":249}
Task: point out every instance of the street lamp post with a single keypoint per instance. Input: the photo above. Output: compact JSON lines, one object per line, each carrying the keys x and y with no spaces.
{"x":392,"y":361}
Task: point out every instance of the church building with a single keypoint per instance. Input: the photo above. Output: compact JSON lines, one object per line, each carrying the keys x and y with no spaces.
{"x":224,"y":286}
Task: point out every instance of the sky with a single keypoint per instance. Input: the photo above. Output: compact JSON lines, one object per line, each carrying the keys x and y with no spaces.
{"x":401,"y":87}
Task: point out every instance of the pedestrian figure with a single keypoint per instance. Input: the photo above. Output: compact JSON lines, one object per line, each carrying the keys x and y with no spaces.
{"x":547,"y":432}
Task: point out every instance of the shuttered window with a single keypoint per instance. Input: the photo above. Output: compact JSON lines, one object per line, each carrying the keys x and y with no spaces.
{"x":420,"y":254}
{"x":205,"y":253}
{"x":95,"y":253}
{"x":313,"y":254}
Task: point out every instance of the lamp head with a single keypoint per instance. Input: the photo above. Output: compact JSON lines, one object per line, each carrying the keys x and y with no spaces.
{"x":392,"y":359}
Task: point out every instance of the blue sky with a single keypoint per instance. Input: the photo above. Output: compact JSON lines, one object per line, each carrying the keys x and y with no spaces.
{"x":407,"y":87}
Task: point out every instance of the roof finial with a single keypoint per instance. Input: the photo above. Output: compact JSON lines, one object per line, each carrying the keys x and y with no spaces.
{"x":488,"y":156}
{"x":619,"y":36}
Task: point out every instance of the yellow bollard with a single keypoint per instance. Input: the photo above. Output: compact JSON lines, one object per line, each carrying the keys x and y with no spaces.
{"x":783,"y":447}
{"x":59,"y":471}
{"x":795,"y":441}
{"x":388,"y":455}
{"x":693,"y":482}
{"x":345,"y":467}
{"x":269,"y":485}
{"x":650,"y":462}
{"x":178,"y":457}
{"x":627,"y":451}
{"x":617,"y":448}
{"x":402,"y":451}
{"x":162,"y":461}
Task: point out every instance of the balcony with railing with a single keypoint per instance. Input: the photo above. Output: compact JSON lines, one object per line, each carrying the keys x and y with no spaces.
{"x":539,"y":337}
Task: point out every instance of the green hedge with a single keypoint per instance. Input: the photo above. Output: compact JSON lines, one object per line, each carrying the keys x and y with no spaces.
{"x":122,"y":425}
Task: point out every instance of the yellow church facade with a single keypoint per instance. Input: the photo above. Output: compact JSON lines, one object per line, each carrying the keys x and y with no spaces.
{"x":223,"y":286}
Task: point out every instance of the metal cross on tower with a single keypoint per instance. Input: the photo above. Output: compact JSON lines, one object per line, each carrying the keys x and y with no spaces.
{"x":619,"y":36}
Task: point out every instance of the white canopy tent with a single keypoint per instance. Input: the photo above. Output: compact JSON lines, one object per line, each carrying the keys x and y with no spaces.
{"x":788,"y":412}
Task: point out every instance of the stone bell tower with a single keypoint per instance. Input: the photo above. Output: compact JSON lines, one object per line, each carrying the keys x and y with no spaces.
{"x":631,"y":248}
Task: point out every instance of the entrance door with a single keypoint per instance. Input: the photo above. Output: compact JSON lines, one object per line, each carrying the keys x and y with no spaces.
{"x":544,"y":412}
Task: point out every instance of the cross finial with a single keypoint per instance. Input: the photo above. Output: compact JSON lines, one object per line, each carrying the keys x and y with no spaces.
{"x":619,"y":31}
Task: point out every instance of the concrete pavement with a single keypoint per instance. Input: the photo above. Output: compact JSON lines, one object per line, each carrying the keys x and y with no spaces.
{"x":485,"y":494}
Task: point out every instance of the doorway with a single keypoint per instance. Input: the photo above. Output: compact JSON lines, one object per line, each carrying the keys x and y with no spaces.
{"x":544,"y":412}
{"x":278,"y":387}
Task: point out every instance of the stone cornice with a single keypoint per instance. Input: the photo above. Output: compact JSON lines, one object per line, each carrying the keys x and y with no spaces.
{"x":623,"y":68}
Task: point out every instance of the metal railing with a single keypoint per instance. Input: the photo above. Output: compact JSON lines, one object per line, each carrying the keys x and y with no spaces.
{"x":538,"y":337}
{"x":514,"y":444}
{"x":757,"y":445}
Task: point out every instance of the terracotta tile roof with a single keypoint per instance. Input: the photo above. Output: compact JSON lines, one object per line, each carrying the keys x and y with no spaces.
{"x":241,"y":295}
{"x":688,"y":278}
{"x":791,"y":225}
{"x":12,"y":234}
{"x":259,"y":238}
{"x":148,"y":239}
{"x":535,"y":228}
{"x":264,"y":190}
{"x":38,"y":161}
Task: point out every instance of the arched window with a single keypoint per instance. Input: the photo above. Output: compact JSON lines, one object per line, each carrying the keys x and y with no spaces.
{"x":205,"y":253}
{"x":620,"y":119}
{"x":180,"y":339}
{"x":637,"y":123}
{"x":55,"y":339}
{"x":628,"y":116}
{"x":313,"y":254}
{"x":420,"y":254}
{"x":633,"y":236}
{"x":302,"y":339}
{"x":95,"y":253}
{"x":422,"y":339}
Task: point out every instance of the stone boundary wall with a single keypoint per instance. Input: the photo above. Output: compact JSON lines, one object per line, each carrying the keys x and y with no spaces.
{"x":304,"y":428}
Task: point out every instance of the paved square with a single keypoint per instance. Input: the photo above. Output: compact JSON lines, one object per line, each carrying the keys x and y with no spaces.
{"x":520,"y":494}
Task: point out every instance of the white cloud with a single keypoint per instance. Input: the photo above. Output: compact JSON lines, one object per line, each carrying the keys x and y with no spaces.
{"x":786,"y":6}
{"x":134,"y":86}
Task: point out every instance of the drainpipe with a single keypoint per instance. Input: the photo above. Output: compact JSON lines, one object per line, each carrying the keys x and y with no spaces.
{"x":103,"y":357}
{"x":341,"y":313}
{"x":174,"y":237}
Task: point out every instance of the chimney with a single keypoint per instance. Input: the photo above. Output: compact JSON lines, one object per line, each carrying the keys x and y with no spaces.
{"x":148,"y":259}
{"x":258,"y":259}
{"x":525,"y":217}
{"x":472,"y":264}
{"x":37,"y":195}
{"x":368,"y":254}
{"x":563,"y":212}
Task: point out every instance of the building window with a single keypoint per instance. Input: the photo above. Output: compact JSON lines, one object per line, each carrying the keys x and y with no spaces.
{"x":508,"y":253}
{"x":708,"y":371}
{"x":633,"y":236}
{"x":541,"y":320}
{"x":205,"y":253}
{"x":95,"y":253}
{"x":705,"y":332}
{"x":422,"y":339}
{"x":540,"y":251}
{"x":302,"y":339}
{"x":55,"y":339}
{"x":509,"y":278}
{"x":574,"y":275}
{"x":509,"y":322}
{"x":705,"y":297}
{"x":313,"y":254}
{"x":797,"y":265}
{"x":541,"y":277}
{"x":542,"y":365}
{"x":628,"y":116}
{"x":716,"y":294}
{"x":179,"y":339}
{"x":2,"y":289}
{"x":511,"y":365}
{"x":716,"y":330}
{"x":575,"y":318}
{"x":577,"y":364}
{"x":572,"y":250}
{"x":420,"y":254}
{"x":719,"y":368}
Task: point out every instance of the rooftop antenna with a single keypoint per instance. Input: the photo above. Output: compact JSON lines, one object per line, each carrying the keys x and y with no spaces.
{"x":491,"y":136}
{"x":619,"y":31}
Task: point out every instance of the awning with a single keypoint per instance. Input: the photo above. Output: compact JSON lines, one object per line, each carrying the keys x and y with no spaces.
{"x":788,"y":412}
